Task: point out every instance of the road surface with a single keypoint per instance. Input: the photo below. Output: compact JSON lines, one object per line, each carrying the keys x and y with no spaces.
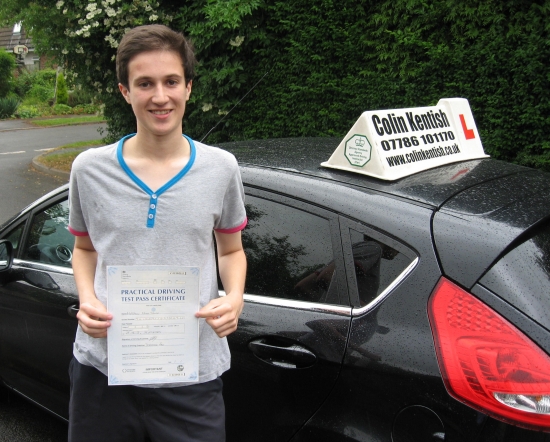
{"x":20,"y":183}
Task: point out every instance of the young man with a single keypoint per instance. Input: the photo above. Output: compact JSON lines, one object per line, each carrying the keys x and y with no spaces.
{"x":154,"y":198}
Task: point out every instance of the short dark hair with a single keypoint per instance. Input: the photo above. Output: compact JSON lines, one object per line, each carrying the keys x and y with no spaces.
{"x":153,"y":38}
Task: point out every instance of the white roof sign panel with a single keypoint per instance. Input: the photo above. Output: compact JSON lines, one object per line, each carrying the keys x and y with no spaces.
{"x":391,"y":144}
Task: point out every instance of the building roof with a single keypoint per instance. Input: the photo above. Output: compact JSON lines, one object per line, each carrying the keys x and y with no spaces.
{"x":9,"y":38}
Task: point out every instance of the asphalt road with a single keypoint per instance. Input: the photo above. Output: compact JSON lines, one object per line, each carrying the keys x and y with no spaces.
{"x":20,"y":183}
{"x":21,"y":421}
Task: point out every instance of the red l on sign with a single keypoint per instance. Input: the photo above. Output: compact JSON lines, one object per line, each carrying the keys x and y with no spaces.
{"x":468,"y":133}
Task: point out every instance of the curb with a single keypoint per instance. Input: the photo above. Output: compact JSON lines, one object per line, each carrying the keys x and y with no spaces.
{"x":49,"y":170}
{"x":33,"y":127}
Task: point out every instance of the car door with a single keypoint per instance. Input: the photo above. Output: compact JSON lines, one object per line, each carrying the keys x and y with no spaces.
{"x":38,"y":303}
{"x":288,"y":348}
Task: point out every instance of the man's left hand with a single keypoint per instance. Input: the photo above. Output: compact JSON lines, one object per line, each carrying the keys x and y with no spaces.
{"x":222,"y":314}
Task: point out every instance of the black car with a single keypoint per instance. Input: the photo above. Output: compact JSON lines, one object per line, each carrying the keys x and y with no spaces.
{"x":411,"y":310}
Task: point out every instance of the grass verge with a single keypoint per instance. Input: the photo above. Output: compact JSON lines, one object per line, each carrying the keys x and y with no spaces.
{"x":68,"y":121}
{"x":62,"y":157}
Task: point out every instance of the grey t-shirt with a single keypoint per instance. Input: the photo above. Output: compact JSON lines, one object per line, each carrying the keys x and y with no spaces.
{"x":129,"y":224}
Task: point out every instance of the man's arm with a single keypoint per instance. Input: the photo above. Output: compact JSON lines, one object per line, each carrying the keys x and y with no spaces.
{"x":222,"y":314}
{"x":92,"y":315}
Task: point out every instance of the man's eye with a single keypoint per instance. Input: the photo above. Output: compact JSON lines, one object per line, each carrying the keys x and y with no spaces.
{"x":144,"y":84}
{"x":172,"y":82}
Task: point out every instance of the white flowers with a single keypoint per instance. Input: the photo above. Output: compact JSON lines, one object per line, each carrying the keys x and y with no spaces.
{"x":237,"y":41}
{"x":112,"y":41}
{"x":153,"y":17}
{"x":59,"y":4}
{"x":206,"y":107}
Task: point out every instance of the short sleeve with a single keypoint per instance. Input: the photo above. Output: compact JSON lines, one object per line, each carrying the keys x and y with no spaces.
{"x":233,"y":216}
{"x":77,"y":225}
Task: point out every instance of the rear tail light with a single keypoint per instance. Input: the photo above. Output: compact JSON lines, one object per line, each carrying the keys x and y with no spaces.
{"x":488,"y":363}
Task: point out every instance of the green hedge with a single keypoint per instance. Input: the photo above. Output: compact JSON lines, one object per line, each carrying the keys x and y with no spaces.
{"x":326,"y":61}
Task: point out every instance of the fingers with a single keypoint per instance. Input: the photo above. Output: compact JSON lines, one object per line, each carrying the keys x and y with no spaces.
{"x":94,"y":320}
{"x":222,"y":316}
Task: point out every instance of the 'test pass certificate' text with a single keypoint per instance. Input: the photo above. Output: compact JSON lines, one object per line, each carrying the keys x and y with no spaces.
{"x":154,"y":335}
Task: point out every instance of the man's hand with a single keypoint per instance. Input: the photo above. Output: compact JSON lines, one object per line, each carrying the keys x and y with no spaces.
{"x":222,"y":314}
{"x":94,"y":319}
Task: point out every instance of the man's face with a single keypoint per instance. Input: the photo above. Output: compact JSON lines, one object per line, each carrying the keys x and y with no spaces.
{"x":157,"y":92}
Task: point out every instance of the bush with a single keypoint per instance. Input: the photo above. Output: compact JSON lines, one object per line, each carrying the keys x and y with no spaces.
{"x":8,"y":105}
{"x":7,"y":66}
{"x":39,"y":94}
{"x":45,"y":77}
{"x":25,"y":111}
{"x":86,"y":109}
{"x":79,"y":96}
{"x":62,"y":94}
{"x":62,"y":109}
{"x":22,"y":83}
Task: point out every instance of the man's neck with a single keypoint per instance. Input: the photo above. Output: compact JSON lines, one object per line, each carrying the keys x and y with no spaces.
{"x":157,"y":148}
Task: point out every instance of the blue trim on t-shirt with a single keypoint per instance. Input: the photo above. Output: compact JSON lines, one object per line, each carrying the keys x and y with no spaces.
{"x":153,"y":201}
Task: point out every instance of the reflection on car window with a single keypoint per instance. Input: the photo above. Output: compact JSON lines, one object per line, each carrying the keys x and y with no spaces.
{"x":15,"y":236}
{"x":49,"y":241}
{"x":376,"y":264}
{"x":289,"y":253}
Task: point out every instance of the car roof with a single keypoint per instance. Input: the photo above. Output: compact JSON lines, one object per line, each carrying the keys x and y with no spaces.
{"x":432,"y":187}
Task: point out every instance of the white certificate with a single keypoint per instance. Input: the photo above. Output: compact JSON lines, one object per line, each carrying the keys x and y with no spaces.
{"x":154,"y":335}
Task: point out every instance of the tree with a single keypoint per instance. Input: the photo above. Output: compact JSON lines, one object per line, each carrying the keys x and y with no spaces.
{"x":7,"y":66}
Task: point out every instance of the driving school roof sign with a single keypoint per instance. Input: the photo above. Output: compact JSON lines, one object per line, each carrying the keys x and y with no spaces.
{"x":391,"y":144}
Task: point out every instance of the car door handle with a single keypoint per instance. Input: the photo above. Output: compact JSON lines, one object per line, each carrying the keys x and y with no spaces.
{"x":282,"y":354}
{"x":72,"y":310}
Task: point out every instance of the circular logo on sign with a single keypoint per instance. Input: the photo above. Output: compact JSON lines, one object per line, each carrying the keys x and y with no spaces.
{"x":357,"y":150}
{"x":180,"y":367}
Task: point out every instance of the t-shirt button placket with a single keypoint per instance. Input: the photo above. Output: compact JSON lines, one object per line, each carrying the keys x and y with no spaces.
{"x":152,"y":211}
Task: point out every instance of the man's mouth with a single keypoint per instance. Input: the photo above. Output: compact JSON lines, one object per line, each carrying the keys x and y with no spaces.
{"x":160,"y":112}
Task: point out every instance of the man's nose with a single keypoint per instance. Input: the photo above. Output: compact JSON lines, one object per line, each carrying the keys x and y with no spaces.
{"x":160,"y":96}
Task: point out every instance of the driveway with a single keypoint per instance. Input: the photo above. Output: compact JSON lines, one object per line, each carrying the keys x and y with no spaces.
{"x":20,"y":142}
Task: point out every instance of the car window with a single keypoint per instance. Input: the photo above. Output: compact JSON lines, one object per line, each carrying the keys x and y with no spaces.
{"x":15,"y":236}
{"x":289,"y":253}
{"x":49,"y":241}
{"x":376,"y":265}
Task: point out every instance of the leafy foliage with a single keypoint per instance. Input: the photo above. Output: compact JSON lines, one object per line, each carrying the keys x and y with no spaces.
{"x":39,"y":94}
{"x":27,"y":111}
{"x":62,"y":109}
{"x":7,"y":66}
{"x":62,"y":94}
{"x":8,"y":105}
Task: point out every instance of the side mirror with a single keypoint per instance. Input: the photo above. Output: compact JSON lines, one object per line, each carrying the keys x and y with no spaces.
{"x":6,"y":255}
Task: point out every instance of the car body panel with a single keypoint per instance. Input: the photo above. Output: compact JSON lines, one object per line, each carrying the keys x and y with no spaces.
{"x":476,"y":226}
{"x":432,"y":187}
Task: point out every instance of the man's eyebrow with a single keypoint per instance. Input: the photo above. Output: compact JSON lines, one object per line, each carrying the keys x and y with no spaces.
{"x":145,"y":77}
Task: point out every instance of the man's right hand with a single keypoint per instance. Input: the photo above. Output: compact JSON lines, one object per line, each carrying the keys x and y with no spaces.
{"x":94,"y":319}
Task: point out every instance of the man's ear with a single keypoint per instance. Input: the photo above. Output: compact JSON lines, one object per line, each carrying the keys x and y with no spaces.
{"x":188,"y":88}
{"x":125,"y":92}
